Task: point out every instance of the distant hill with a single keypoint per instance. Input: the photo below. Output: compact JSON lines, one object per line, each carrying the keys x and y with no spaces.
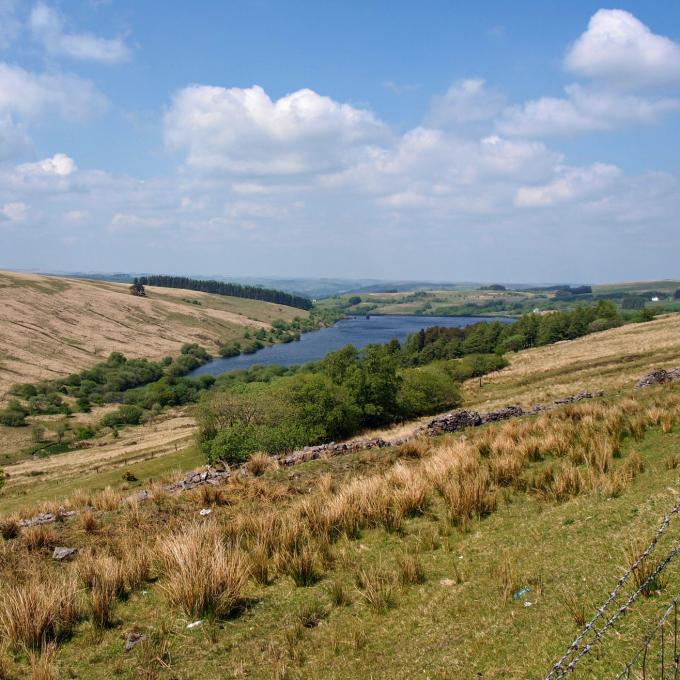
{"x":51,"y":326}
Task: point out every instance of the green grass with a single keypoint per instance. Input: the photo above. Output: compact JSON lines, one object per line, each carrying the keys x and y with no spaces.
{"x":465,"y":630}
{"x":145,"y":470}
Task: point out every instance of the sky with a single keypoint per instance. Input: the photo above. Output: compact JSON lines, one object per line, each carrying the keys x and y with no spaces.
{"x":457,"y":141}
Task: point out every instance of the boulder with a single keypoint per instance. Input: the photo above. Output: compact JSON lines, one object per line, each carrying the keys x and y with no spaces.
{"x":62,"y":553}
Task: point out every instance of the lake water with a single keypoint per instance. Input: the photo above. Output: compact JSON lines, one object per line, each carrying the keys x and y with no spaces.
{"x":358,"y":331}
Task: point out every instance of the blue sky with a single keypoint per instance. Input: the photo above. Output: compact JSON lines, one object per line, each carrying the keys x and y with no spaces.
{"x":446,"y":140}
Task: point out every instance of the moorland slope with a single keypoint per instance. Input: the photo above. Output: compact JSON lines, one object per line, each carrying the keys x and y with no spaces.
{"x":53,"y":326}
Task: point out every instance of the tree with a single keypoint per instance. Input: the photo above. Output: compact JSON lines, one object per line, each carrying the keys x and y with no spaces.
{"x":137,"y":288}
{"x":354,"y":300}
{"x":677,"y":294}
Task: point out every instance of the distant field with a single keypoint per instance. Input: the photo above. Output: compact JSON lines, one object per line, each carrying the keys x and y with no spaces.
{"x":52,"y":326}
{"x":665,"y":285}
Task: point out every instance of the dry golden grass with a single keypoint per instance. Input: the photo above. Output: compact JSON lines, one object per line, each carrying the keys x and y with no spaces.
{"x":259,"y":463}
{"x":36,"y":612}
{"x":53,"y":326}
{"x":274,"y":532}
{"x":607,"y":361}
{"x":201,"y":576}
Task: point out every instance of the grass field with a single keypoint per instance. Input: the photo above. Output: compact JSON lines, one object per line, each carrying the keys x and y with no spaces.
{"x":390,"y":563}
{"x":51,"y":326}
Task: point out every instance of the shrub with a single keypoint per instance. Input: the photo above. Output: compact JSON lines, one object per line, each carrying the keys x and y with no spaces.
{"x":13,"y":418}
{"x":127,"y":414}
{"x":426,"y":390}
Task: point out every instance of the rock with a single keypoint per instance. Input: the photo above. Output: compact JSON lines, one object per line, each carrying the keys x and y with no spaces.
{"x":447,"y":582}
{"x":657,"y":377}
{"x":204,"y":512}
{"x":62,"y":553}
{"x":502,"y":414}
{"x":132,"y":639}
{"x":452,"y":422}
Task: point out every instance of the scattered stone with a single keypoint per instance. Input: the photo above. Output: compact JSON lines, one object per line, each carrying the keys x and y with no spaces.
{"x":578,"y":397}
{"x":657,"y":377}
{"x":133,"y":639}
{"x":502,"y":414}
{"x":62,"y":553}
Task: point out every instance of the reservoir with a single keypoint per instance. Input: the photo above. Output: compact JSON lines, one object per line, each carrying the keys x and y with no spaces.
{"x":358,"y":331}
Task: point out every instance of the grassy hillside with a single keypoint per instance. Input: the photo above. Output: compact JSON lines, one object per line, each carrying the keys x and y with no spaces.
{"x":52,"y":326}
{"x":477,"y":554}
{"x":611,"y":360}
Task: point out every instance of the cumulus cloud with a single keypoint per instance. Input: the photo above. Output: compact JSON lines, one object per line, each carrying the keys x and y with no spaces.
{"x":466,"y":101}
{"x":14,"y":211}
{"x":619,"y":49}
{"x":584,"y":109}
{"x":570,"y":184}
{"x":59,"y":165}
{"x":47,"y":26}
{"x":242,"y":131}
{"x":35,"y":94}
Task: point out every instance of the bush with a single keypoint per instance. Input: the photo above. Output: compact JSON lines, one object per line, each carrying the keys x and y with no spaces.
{"x":227,"y":351}
{"x":127,"y":414}
{"x":602,"y":325}
{"x":13,"y":418}
{"x":426,"y":390}
{"x":23,"y":390}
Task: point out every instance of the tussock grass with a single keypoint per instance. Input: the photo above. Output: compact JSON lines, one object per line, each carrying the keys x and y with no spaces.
{"x":259,"y":463}
{"x":35,"y":612}
{"x":40,"y":537}
{"x":9,"y":528}
{"x":201,"y":576}
{"x":377,"y":587}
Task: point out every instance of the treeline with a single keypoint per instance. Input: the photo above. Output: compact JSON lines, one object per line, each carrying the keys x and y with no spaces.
{"x":224,"y":288}
{"x":531,"y":330}
{"x":277,"y":410}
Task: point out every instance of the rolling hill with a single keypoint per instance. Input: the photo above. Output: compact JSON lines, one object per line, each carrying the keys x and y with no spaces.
{"x":52,"y":326}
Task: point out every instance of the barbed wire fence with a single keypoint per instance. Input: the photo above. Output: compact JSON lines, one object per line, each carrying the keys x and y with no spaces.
{"x":591,"y":634}
{"x":666,"y":660}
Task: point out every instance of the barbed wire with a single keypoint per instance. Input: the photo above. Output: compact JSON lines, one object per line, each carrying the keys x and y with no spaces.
{"x":557,"y":670}
{"x":622,"y":610}
{"x":673,"y":607}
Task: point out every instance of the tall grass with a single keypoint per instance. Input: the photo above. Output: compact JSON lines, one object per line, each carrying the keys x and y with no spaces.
{"x":37,"y":612}
{"x":201,"y":576}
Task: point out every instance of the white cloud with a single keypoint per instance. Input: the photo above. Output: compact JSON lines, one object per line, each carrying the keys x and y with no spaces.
{"x":466,"y":101}
{"x":244,"y":132}
{"x":59,"y":165}
{"x":583,"y":110}
{"x":47,"y":26}
{"x":619,"y":49}
{"x":14,"y":211}
{"x":571,"y":184}
{"x":125,"y":220}
{"x":75,"y":216}
{"x":35,"y":94}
